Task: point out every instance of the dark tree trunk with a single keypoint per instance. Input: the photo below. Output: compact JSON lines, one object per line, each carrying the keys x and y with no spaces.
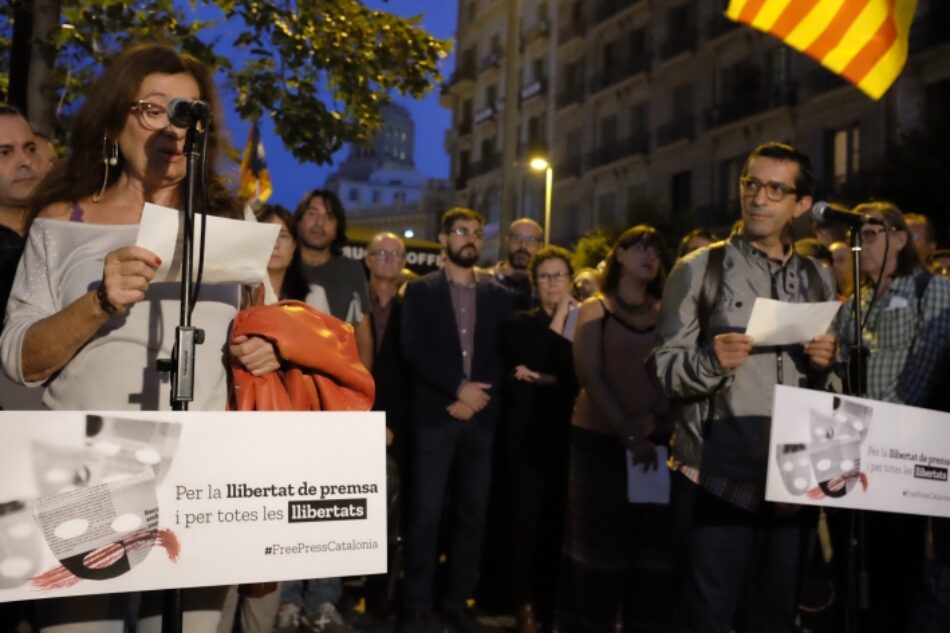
{"x":41,"y":89}
{"x":20,"y":54}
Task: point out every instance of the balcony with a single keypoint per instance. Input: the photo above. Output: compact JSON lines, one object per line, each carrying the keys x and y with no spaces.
{"x":573,"y":167}
{"x":933,"y":30}
{"x":618,"y":150}
{"x":820,"y":81}
{"x":678,"y":129}
{"x":461,"y":181}
{"x":678,"y":42}
{"x":617,"y":72}
{"x":720,"y":25}
{"x":608,"y":8}
{"x":492,"y":59}
{"x":537,"y":32}
{"x":533,"y":89}
{"x":485,"y":114}
{"x":571,"y":95}
{"x":531,"y":148}
{"x":574,"y":28}
{"x":486,"y":164}
{"x":462,"y":74}
{"x":748,"y":104}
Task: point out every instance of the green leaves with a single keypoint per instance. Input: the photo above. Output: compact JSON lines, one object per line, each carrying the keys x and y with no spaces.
{"x":321,"y":69}
{"x":338,"y":64}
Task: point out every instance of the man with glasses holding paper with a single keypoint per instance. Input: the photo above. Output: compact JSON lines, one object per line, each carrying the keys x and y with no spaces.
{"x":739,"y":557}
{"x":451,"y":340}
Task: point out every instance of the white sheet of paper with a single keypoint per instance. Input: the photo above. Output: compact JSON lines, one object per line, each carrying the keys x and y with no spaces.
{"x":781,"y":323}
{"x":235,"y":251}
{"x":652,"y":486}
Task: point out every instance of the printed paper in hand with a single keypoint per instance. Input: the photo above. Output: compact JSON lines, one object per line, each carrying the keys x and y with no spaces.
{"x":781,"y":323}
{"x":652,"y":485}
{"x":235,"y":251}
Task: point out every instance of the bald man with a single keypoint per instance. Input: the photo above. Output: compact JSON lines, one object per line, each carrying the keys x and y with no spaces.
{"x":525,"y":237}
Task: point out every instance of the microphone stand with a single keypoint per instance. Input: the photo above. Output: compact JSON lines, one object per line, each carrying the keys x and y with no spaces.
{"x":857,"y":578}
{"x":181,"y":366}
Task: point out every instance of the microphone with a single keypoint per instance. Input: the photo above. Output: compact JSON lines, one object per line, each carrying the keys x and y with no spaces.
{"x":830,"y":212}
{"x":184,"y":112}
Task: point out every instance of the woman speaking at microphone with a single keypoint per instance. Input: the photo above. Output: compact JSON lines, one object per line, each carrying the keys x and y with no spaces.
{"x":84,"y":317}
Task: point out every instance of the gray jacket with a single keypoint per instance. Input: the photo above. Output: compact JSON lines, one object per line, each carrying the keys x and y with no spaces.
{"x":722,"y":417}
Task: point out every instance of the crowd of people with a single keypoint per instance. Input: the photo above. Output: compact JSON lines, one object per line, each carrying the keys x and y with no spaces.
{"x":519,"y":398}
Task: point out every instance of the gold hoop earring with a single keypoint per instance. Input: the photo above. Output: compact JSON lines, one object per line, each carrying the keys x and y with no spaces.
{"x":108,"y":159}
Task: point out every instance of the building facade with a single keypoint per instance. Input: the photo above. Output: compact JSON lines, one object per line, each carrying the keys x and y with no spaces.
{"x":381,"y":188}
{"x":645,"y":105}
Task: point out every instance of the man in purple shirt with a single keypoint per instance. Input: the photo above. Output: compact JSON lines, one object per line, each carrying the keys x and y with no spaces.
{"x":451,"y":340}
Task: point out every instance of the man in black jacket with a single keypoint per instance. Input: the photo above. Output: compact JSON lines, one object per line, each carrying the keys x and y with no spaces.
{"x":451,"y":339}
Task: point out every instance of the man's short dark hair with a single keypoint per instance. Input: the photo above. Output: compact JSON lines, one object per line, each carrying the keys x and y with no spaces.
{"x":9,"y":110}
{"x":804,"y":181}
{"x":919,"y":218}
{"x":453,"y":215}
{"x":334,"y":207}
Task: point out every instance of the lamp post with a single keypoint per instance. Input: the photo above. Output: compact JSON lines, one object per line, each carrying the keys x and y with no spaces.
{"x":542,"y":164}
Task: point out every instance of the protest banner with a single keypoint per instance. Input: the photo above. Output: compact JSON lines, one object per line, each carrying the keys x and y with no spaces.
{"x":125,"y":501}
{"x":847,"y":452}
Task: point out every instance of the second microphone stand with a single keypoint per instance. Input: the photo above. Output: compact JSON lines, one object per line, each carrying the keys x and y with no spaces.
{"x":857,"y":578}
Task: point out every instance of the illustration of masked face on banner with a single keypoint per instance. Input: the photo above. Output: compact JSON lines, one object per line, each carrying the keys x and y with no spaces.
{"x":833,"y":457}
{"x":21,"y":546}
{"x":100,"y":511}
{"x":120,"y":448}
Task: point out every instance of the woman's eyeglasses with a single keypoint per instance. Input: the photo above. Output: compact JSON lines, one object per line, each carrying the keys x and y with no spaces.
{"x":552,"y":277}
{"x":869,"y":234}
{"x":152,"y":116}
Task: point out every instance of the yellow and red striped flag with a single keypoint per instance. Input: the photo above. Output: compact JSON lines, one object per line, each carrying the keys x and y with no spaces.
{"x":255,"y":177}
{"x":864,"y":41}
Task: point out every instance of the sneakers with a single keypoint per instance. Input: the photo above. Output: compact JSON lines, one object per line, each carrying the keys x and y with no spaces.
{"x":288,"y":618}
{"x":328,"y":620}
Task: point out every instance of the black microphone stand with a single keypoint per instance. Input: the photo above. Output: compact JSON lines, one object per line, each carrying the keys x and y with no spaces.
{"x":857,"y":579}
{"x":181,"y":366}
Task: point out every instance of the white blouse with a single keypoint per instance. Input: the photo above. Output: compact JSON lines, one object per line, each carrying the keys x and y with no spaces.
{"x":115,"y":370}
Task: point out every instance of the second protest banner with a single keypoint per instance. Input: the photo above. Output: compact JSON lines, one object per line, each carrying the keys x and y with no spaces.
{"x":847,"y":452}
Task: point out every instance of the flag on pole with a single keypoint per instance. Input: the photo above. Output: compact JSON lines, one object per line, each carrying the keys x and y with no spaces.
{"x":255,"y":177}
{"x":864,"y":41}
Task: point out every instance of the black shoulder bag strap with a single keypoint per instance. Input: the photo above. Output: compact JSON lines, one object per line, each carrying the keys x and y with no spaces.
{"x":709,"y":291}
{"x":815,"y":283}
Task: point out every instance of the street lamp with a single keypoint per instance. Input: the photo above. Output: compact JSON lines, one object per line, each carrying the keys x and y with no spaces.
{"x":541,"y":164}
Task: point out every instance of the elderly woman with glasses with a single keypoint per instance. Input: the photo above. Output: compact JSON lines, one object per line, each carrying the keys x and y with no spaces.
{"x":84,"y":317}
{"x":906,"y":335}
{"x":541,"y":390}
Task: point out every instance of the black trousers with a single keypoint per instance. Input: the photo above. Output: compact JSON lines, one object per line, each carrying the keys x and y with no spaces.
{"x":735,"y":569}
{"x":467,"y":449}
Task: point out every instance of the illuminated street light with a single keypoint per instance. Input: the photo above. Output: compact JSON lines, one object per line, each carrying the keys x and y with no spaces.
{"x":539,"y":163}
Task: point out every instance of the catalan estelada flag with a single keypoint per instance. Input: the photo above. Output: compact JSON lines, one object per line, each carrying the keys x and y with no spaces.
{"x":864,"y":41}
{"x":255,"y":178}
